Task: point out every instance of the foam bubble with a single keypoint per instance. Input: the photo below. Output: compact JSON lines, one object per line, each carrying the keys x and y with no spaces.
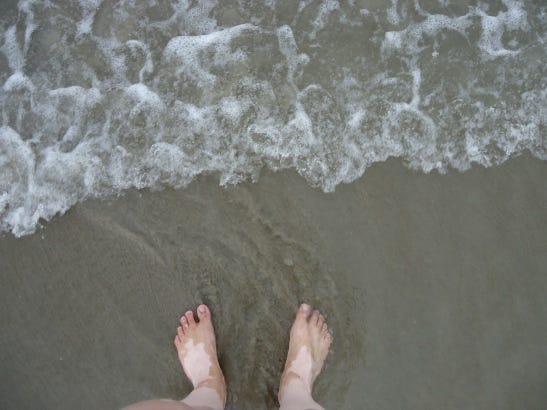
{"x":17,"y":81}
{"x":410,"y":38}
{"x":494,"y":27}
{"x":143,"y":95}
{"x":89,"y":8}
{"x":189,"y":52}
{"x":12,"y":50}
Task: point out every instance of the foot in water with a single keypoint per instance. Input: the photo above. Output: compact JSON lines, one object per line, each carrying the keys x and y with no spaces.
{"x":196,"y":347}
{"x":308,"y":347}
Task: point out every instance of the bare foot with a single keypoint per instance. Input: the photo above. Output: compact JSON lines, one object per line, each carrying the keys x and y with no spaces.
{"x":308,"y":347}
{"x":196,"y":347}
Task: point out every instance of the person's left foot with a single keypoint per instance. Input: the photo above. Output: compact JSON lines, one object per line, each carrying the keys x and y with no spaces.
{"x":309,"y":344}
{"x":196,"y":347}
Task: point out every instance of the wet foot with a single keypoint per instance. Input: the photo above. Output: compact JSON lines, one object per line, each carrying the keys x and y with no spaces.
{"x":196,"y":347}
{"x":308,"y":347}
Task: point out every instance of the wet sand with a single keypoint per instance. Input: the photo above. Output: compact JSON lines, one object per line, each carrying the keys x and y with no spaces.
{"x":435,"y":288}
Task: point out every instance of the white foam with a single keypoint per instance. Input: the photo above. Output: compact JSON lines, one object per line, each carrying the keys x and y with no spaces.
{"x":392,"y":13}
{"x":325,"y":10}
{"x":78,"y":94}
{"x":18,"y":81}
{"x":189,"y":52}
{"x":148,"y":66}
{"x":493,"y":28}
{"x":143,"y":95}
{"x":232,"y":108}
{"x":409,"y":38}
{"x":149,"y":104}
{"x":17,"y":163}
{"x":89,"y":8}
{"x":12,"y":51}
{"x":288,"y":47}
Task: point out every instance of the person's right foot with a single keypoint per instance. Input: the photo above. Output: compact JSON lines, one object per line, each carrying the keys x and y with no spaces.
{"x":308,"y":347}
{"x":196,"y":347}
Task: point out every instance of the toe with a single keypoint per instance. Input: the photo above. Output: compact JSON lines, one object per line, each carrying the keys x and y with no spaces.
{"x":184,"y":322}
{"x":320,"y":321}
{"x":203,"y":312}
{"x":178,"y":342}
{"x":190,"y":318}
{"x":314,"y":317}
{"x":303,"y":311}
{"x":324,"y":328}
{"x":180,"y":332}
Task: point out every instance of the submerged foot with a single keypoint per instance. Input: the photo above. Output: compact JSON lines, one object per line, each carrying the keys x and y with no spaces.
{"x":196,"y":347}
{"x":308,"y":347}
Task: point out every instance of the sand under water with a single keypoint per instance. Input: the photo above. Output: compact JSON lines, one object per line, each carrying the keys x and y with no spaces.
{"x":119,"y":121}
{"x":434,"y":286}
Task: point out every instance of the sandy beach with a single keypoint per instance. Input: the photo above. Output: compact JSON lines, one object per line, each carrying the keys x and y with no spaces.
{"x":434,"y":286}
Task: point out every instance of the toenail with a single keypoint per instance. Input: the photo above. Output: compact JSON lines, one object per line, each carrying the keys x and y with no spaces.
{"x":202,"y":309}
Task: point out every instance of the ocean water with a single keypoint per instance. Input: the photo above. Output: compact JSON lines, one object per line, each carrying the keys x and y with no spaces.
{"x":101,"y":96}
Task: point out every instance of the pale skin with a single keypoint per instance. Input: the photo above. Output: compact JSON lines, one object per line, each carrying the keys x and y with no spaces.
{"x":196,"y":347}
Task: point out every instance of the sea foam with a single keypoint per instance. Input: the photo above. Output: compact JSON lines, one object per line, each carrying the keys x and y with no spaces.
{"x":98,"y":98}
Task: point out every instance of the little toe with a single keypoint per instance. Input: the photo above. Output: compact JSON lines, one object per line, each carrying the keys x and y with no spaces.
{"x":178,"y":342}
{"x":203,"y":313}
{"x":324,"y":328}
{"x":190,"y":318}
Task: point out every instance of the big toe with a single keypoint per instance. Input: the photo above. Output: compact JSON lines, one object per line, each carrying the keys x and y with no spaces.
{"x":303,"y":312}
{"x":204,"y":313}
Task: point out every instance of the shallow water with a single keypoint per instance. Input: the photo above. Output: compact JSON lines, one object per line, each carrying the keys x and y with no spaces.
{"x":434,"y":287}
{"x":98,"y":97}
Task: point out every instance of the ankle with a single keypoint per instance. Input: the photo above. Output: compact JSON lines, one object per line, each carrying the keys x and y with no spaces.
{"x":216,"y":383}
{"x":295,"y":394}
{"x":290,"y":382}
